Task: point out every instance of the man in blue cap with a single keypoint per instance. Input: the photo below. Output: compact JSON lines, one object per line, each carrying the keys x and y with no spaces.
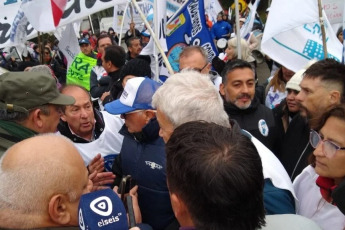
{"x":143,"y":152}
{"x":79,"y":71}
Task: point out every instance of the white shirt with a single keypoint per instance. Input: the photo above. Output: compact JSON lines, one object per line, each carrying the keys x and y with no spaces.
{"x":311,"y":204}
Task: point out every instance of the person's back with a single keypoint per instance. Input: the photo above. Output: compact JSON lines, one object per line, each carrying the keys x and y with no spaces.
{"x":215,"y":178}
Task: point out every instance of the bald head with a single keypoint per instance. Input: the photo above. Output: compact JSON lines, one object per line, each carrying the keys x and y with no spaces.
{"x":47,"y":171}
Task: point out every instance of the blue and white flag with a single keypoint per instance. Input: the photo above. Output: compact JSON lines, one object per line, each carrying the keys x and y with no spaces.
{"x":293,"y":35}
{"x":189,"y":28}
{"x":248,"y":25}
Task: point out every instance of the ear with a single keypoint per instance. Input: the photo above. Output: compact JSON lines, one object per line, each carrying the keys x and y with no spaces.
{"x":335,"y":97}
{"x":180,"y":211}
{"x":63,"y":115}
{"x":58,"y":209}
{"x":176,"y":204}
{"x":37,"y":118}
{"x":222,"y":89}
{"x":208,"y":67}
{"x":149,"y":114}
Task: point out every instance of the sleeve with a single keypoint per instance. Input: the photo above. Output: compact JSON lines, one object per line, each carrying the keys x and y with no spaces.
{"x":95,"y":89}
{"x":117,"y":170}
{"x":277,"y":201}
{"x":253,"y":42}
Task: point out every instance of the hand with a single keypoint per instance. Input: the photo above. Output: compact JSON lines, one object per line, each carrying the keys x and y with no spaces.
{"x":134,"y":194}
{"x":104,"y":95}
{"x":96,"y":165}
{"x":99,"y":180}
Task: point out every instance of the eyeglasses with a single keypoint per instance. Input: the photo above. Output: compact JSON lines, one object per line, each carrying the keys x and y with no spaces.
{"x":328,"y":147}
{"x":196,"y":69}
{"x":123,"y":116}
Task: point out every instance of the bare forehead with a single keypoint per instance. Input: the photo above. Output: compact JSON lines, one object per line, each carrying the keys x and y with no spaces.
{"x":241,"y":74}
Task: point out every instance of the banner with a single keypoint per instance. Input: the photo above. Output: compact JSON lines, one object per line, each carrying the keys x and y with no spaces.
{"x":68,"y":44}
{"x":74,"y":10}
{"x":248,"y":25}
{"x":293,"y":36}
{"x":189,"y":28}
{"x":145,"y":6}
{"x":44,"y":15}
{"x":212,"y":8}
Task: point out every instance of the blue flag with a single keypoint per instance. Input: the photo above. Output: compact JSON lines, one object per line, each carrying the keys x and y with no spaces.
{"x":188,"y":27}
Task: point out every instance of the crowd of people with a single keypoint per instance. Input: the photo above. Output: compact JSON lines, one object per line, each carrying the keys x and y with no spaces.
{"x":210,"y":148}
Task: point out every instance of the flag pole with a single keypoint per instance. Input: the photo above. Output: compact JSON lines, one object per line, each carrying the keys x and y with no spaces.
{"x":238,"y":33}
{"x":122,"y":22}
{"x":322,"y":24}
{"x":155,"y":53}
{"x":165,"y":59}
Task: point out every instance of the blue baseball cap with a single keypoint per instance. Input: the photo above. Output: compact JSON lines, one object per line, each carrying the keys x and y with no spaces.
{"x":102,"y":209}
{"x":137,"y":95}
{"x":84,"y":41}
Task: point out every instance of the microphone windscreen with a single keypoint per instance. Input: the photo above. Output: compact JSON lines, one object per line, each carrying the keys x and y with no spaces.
{"x":102,"y":209}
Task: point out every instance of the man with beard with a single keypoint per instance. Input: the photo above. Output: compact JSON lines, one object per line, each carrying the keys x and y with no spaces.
{"x":240,"y":103}
{"x":322,"y":86}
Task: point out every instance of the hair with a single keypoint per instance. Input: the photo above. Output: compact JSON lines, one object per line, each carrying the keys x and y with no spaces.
{"x":18,"y":193}
{"x":233,"y":65}
{"x":277,"y":81}
{"x":331,"y":73}
{"x":104,"y":36}
{"x":73,"y":86}
{"x":337,"y":111}
{"x":137,"y":67}
{"x":116,"y":55}
{"x":340,"y":29}
{"x":190,"y":96}
{"x":189,"y":50}
{"x":217,"y":173}
{"x":19,"y":116}
{"x":130,"y":40}
{"x":245,"y":51}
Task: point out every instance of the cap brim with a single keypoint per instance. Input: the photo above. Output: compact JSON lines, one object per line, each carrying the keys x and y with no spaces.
{"x":116,"y":107}
{"x":63,"y":100}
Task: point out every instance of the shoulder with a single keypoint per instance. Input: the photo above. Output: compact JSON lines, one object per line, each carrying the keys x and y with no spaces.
{"x":290,"y":222}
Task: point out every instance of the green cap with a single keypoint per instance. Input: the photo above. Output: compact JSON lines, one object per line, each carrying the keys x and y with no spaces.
{"x":22,"y":91}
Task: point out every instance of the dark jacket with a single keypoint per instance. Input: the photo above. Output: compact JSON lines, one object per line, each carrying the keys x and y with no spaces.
{"x":143,"y":157}
{"x":99,"y":127}
{"x":99,"y":80}
{"x":115,"y":87}
{"x":12,"y":133}
{"x":295,"y":148}
{"x":249,"y":118}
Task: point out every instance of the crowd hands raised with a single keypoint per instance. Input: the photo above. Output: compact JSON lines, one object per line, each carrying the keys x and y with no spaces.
{"x":210,"y":148}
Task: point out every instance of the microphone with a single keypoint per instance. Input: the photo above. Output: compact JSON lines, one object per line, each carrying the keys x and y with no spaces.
{"x":102,"y":209}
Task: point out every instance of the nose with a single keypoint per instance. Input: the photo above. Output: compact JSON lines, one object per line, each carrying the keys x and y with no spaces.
{"x":299,"y":97}
{"x":83,"y":113}
{"x":319,"y":150}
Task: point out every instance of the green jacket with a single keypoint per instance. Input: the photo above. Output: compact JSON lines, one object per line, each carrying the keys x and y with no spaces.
{"x":80,"y":70}
{"x":11,"y":133}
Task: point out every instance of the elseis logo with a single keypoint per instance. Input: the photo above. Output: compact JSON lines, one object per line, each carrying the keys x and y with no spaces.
{"x":104,"y":207}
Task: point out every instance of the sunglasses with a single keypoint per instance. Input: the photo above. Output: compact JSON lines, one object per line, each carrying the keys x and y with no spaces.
{"x":123,"y":116}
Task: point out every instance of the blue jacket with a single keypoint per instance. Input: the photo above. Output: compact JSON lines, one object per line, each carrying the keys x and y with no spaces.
{"x":143,"y":157}
{"x":220,"y":29}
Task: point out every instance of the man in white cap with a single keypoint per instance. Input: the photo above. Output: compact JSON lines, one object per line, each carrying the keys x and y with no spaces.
{"x":143,"y":152}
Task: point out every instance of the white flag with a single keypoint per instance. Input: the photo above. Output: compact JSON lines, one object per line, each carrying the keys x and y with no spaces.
{"x":293,"y":35}
{"x":69,"y":44}
{"x":248,"y":25}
